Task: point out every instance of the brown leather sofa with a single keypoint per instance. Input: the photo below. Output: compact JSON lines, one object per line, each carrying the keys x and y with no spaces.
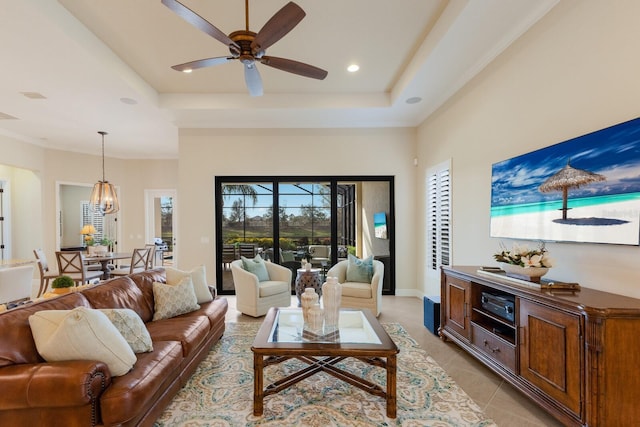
{"x":82,"y":392}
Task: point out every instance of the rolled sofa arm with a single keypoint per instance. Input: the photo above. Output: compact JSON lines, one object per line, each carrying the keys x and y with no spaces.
{"x":57,"y":384}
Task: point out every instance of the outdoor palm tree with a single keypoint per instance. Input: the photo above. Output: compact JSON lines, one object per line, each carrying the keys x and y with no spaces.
{"x":245,"y":190}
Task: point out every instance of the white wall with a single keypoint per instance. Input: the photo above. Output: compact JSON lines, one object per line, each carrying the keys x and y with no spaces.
{"x":21,"y":208}
{"x":575,"y":72}
{"x":206,"y":153}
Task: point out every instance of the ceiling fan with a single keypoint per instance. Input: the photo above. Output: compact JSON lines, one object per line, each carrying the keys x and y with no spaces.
{"x":249,"y":47}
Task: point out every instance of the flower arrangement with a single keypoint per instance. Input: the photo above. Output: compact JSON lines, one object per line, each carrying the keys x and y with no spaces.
{"x":524,"y":257}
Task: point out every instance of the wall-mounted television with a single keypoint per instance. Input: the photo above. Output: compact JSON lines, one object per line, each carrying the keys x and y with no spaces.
{"x":586,"y":189}
{"x":380,"y":225}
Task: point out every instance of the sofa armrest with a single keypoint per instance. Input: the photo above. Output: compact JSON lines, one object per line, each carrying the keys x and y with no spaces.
{"x":57,"y":384}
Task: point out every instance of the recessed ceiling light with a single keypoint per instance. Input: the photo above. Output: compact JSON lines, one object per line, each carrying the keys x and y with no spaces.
{"x":413,"y":100}
{"x":129,"y":101}
{"x":353,"y":68}
{"x":187,"y":70}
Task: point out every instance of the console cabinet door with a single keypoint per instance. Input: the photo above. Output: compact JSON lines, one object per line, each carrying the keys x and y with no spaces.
{"x":550,"y":352}
{"x":456,"y":308}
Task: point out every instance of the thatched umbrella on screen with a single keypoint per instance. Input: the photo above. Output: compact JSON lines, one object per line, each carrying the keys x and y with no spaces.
{"x":569,"y":177}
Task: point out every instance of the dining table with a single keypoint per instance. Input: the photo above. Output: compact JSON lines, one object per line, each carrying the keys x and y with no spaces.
{"x":105,"y":260}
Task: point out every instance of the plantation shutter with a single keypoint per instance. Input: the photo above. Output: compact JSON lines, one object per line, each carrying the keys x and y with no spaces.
{"x":439,"y":216}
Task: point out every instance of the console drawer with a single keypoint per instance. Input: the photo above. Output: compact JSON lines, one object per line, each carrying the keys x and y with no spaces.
{"x":498,"y":349}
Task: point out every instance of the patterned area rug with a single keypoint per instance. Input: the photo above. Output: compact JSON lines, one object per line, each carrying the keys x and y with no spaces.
{"x":220,"y":393}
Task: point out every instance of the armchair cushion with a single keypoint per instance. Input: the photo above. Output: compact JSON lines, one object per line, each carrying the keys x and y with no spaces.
{"x":257,"y":267}
{"x":357,"y":290}
{"x":272,"y":287}
{"x":359,"y":270}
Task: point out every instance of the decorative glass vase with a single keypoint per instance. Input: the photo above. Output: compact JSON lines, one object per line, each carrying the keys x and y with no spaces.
{"x":331,"y":298}
{"x":308,"y":299}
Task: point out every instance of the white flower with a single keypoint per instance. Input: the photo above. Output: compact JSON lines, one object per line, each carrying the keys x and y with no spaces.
{"x":531,"y":261}
{"x":523,"y":256}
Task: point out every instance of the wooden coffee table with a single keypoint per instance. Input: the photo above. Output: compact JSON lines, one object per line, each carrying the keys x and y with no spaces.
{"x":360,"y":335}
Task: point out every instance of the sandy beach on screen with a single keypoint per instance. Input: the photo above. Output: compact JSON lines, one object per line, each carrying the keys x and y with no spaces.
{"x":609,"y":219}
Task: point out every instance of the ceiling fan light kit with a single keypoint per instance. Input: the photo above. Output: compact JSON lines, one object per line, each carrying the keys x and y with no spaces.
{"x":249,"y":47}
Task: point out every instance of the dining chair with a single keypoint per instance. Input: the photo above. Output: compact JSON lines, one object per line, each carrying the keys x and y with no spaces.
{"x":229,"y":254}
{"x":72,"y":264}
{"x":139,"y":259}
{"x":247,"y":250}
{"x":151,"y":255}
{"x":46,"y":273}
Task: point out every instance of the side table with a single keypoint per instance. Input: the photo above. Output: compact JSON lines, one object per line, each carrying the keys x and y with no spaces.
{"x":308,"y":279}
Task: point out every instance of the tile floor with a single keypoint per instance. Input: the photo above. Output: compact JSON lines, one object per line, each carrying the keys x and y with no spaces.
{"x":505,"y":405}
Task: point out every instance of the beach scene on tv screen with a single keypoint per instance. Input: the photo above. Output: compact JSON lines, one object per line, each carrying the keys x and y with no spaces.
{"x":586,"y":189}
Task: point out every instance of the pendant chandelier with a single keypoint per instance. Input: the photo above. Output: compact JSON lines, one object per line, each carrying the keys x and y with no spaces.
{"x":103,"y":197}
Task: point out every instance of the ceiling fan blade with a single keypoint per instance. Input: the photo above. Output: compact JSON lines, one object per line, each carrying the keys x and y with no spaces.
{"x":201,"y":63}
{"x":294,"y":67}
{"x":278,"y":26}
{"x":199,"y":22}
{"x":252,"y":79}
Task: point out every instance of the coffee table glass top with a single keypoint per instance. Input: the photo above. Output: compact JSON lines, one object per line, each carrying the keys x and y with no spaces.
{"x":353,"y":327}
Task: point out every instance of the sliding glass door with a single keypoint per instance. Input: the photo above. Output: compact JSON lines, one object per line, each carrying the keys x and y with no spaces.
{"x":282,"y":219}
{"x":305,"y":215}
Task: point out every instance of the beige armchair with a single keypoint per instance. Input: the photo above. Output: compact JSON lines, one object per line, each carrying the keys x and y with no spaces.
{"x":360,"y":295}
{"x":253,"y":297}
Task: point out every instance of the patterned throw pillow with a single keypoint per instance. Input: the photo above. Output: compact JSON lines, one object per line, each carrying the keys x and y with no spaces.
{"x":199,"y":278}
{"x":257,"y":267}
{"x":131,"y":327}
{"x":359,"y":270}
{"x":173,"y":300}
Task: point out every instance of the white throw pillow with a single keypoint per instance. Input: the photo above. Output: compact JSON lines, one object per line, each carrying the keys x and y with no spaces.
{"x":132,"y":328}
{"x":199,"y":278}
{"x":173,"y":300}
{"x":81,"y":334}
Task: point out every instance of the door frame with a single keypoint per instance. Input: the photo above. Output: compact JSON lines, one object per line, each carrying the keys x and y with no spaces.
{"x":59,"y":213}
{"x":149,"y":221}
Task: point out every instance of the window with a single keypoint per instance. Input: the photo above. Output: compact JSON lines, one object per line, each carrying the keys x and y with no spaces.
{"x":94,"y":218}
{"x":439,"y":215}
